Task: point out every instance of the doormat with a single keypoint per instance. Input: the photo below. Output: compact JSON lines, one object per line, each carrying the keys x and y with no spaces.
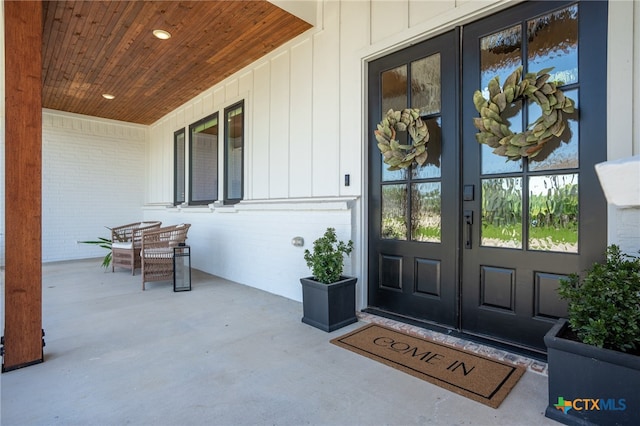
{"x":477,"y":377}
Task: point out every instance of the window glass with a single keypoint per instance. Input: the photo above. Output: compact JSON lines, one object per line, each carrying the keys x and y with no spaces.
{"x":394,"y":207}
{"x":553,"y":213}
{"x":394,"y":89}
{"x":500,"y":55}
{"x":203,"y":160}
{"x":390,"y":175}
{"x":559,"y":153}
{"x":553,"y":42}
{"x":234,"y":147}
{"x":425,"y":84}
{"x":178,"y":167}
{"x":432,"y":167}
{"x":426,"y":217}
{"x":502,"y":212}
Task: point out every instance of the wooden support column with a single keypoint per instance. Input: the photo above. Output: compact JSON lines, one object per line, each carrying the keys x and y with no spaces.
{"x":23,"y":339}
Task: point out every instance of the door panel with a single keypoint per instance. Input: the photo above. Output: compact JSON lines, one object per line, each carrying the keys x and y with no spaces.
{"x":538,"y":219}
{"x":412,"y":262}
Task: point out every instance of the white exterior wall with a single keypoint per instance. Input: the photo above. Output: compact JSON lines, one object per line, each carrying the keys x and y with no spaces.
{"x":305,"y":112}
{"x":92,"y":176}
{"x":305,"y":129}
{"x":298,"y":113}
{"x":623,"y":104}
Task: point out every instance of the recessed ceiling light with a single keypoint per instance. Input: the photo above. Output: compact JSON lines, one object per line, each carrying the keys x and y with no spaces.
{"x":161,"y":34}
{"x":108,"y":96}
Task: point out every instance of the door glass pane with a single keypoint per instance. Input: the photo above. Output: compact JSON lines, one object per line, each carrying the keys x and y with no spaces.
{"x":502,"y":212}
{"x":492,"y":163}
{"x":392,"y":175}
{"x":553,"y":42}
{"x":425,"y":84}
{"x":558,"y":153}
{"x":426,"y":212}
{"x":553,"y":213}
{"x":403,"y":139}
{"x":431,"y":169}
{"x":500,"y":54}
{"x":394,"y":89}
{"x":394,"y":207}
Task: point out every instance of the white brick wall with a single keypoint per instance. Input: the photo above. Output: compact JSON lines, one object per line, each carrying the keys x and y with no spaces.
{"x":251,"y":244}
{"x":628,"y":230}
{"x":93,"y":176}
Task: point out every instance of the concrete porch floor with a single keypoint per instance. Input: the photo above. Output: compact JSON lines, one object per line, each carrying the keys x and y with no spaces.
{"x":222,"y":354}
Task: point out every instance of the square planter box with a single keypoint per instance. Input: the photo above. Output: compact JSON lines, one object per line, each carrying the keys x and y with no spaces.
{"x":329,"y":306}
{"x":597,"y":386}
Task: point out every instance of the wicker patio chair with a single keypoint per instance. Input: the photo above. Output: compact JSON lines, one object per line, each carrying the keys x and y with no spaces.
{"x":156,"y":254}
{"x":126,"y":241}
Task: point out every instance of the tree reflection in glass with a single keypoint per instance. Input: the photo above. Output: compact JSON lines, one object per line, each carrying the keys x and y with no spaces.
{"x":394,"y":207}
{"x":553,"y":213}
{"x":502,"y":212}
{"x":426,"y":209}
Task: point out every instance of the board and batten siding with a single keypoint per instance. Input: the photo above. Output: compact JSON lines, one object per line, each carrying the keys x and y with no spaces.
{"x":292,"y":133}
{"x":296,"y":156}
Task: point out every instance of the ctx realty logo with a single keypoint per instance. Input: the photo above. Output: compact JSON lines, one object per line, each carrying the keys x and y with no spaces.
{"x":590,"y":404}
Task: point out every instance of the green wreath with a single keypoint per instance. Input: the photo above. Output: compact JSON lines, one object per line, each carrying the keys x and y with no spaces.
{"x":394,"y":154}
{"x":494,"y":128}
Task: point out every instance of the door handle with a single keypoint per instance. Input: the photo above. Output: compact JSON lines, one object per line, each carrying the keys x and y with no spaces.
{"x":468,"y":220}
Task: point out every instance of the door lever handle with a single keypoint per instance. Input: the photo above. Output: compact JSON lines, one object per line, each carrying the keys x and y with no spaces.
{"x":468,"y":220}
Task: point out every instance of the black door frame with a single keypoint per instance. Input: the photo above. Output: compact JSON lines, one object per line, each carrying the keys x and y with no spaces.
{"x":592,"y":214}
{"x":444,"y":255}
{"x":529,"y":266}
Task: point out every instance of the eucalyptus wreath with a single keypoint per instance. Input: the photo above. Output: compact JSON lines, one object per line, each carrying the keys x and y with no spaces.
{"x":396,"y":155}
{"x":494,"y":128}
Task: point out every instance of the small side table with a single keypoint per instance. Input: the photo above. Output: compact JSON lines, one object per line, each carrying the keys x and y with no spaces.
{"x":182,"y":268}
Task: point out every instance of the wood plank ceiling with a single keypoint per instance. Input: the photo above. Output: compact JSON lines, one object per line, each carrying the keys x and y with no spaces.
{"x":96,"y":47}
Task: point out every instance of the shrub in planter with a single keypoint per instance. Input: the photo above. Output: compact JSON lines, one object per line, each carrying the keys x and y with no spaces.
{"x":327,"y":259}
{"x":604,"y":308}
{"x":328,"y":298}
{"x":593,"y":358}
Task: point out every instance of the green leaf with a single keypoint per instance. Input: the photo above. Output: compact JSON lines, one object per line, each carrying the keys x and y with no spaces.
{"x":494,"y":87}
{"x":326,"y":260}
{"x":603,"y":303}
{"x":479,"y":101}
{"x":513,"y":78}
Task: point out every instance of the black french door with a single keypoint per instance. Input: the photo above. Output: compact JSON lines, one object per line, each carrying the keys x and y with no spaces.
{"x":469,"y":240}
{"x":413,"y":226}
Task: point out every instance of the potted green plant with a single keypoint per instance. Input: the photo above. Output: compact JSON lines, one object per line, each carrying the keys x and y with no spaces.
{"x":328,"y":297}
{"x":104,"y":243}
{"x":594,"y":356}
